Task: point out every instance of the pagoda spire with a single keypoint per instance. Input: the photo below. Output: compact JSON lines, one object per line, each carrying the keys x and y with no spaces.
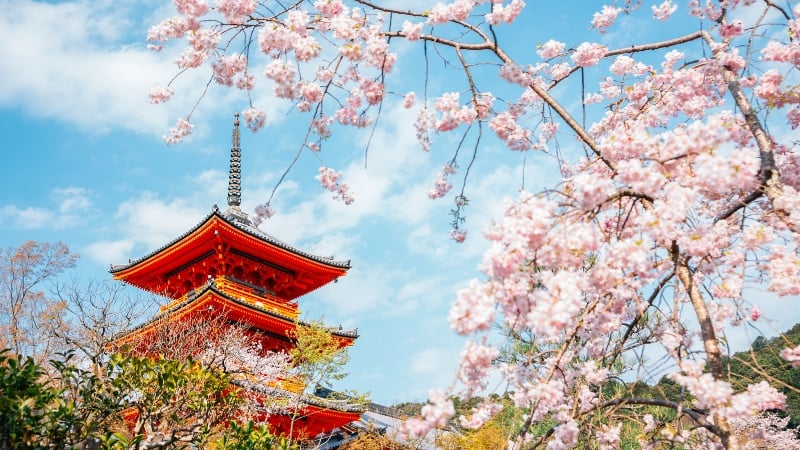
{"x":235,"y":176}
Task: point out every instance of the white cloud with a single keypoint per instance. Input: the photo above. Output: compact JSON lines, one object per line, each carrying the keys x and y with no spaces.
{"x":26,"y":218}
{"x":73,"y":199}
{"x":151,"y":222}
{"x":72,"y":61}
{"x":429,"y":361}
{"x":363,"y":293}
{"x":435,"y":365}
{"x":72,"y":208}
{"x":210,"y":184}
{"x":110,"y":252}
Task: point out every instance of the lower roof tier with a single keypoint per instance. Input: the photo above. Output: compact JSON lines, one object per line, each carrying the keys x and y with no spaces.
{"x":210,"y":304}
{"x":312,"y":417}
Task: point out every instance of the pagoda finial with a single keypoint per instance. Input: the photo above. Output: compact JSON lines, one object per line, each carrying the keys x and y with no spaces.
{"x":235,"y":176}
{"x":235,"y":173}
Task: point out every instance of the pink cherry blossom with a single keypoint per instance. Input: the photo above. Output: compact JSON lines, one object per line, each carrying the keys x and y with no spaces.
{"x":460,"y":9}
{"x":439,"y":14}
{"x":566,"y":436}
{"x":441,"y":186}
{"x":329,"y":8}
{"x":228,"y":67}
{"x":588,"y":54}
{"x":412,"y":31}
{"x":608,"y":437}
{"x":459,"y":235}
{"x":476,"y":364}
{"x":778,"y":52}
{"x":625,"y":65}
{"x":605,"y":18}
{"x":480,"y":415}
{"x":182,"y":129}
{"x":160,"y":94}
{"x":284,"y":77}
{"x":408,"y":100}
{"x":191,"y":8}
{"x":731,"y":30}
{"x":255,"y":118}
{"x":329,"y":179}
{"x":755,"y":314}
{"x":202,"y":43}
{"x":793,"y":117}
{"x":792,"y":355}
{"x":551,"y":49}
{"x":436,"y":413}
{"x":664,"y":10}
{"x":507,"y":129}
{"x":171,"y":28}
{"x":506,"y":13}
{"x":609,"y":88}
{"x":473,"y":309}
{"x":263,"y":212}
{"x":236,"y":11}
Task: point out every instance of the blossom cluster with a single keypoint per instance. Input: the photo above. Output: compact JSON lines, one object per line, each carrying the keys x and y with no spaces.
{"x":329,"y":179}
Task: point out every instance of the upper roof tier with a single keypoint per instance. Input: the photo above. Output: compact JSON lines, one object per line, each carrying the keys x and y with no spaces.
{"x":226,"y":244}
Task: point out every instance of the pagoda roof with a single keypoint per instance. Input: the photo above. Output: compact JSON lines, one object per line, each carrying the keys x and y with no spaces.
{"x":201,"y":240}
{"x":343,"y":405}
{"x":243,"y":225}
{"x":203,"y":296}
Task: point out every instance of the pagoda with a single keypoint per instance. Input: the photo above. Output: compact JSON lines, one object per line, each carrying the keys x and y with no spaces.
{"x":225,"y":263}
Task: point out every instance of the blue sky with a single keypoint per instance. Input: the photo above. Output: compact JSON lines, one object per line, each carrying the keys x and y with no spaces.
{"x":85,"y":164}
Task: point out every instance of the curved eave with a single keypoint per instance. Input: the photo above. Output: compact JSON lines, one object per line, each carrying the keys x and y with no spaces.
{"x":191,"y":303}
{"x":340,"y":406}
{"x":119,"y":270}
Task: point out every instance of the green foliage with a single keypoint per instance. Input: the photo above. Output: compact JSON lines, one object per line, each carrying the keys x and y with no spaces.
{"x":181,"y":400}
{"x":138,"y":400}
{"x":33,"y":414}
{"x":763,"y":362}
{"x":408,"y":409}
{"x":373,"y":440}
{"x":318,"y":356}
{"x":251,"y":437}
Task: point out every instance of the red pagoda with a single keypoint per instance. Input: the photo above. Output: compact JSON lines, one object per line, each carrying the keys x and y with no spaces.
{"x":225,"y":263}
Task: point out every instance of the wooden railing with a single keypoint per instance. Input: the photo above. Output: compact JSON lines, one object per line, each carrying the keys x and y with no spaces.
{"x":265,"y":301}
{"x":246,"y":294}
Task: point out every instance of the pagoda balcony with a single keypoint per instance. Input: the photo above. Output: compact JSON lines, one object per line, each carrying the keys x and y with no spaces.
{"x":245,"y":292}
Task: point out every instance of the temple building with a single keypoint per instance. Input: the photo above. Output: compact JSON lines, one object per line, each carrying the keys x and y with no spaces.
{"x":225,"y":263}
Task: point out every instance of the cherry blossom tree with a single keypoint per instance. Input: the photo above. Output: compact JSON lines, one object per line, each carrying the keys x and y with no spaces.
{"x":678,"y":191}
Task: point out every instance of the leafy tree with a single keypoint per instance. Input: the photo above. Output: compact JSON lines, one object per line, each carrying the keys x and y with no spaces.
{"x":372,"y":440}
{"x":33,"y":414}
{"x":763,"y":361}
{"x":143,"y":403}
{"x":26,"y":314}
{"x":251,"y":437}
{"x":318,"y":357}
{"x":167,"y":402}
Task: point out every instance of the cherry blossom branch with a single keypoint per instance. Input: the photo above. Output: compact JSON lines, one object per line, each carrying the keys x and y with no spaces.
{"x":635,"y":49}
{"x":618,"y":350}
{"x":710,"y":342}
{"x":697,"y":415}
{"x":769,"y":174}
{"x":656,"y":45}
